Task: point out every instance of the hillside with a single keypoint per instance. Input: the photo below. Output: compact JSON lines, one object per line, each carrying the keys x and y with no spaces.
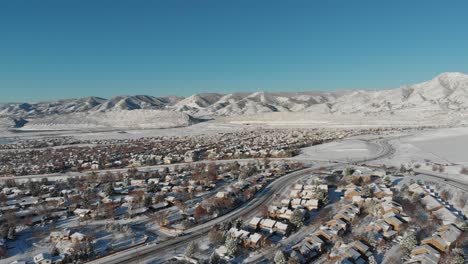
{"x":446,"y":93}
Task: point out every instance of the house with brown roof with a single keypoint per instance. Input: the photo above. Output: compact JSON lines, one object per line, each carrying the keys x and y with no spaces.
{"x":282,"y":228}
{"x":393,"y":220}
{"x":391,"y":206}
{"x":337,"y":226}
{"x":254,"y":241}
{"x":255,"y":222}
{"x":351,"y":191}
{"x":431,"y":203}
{"x":444,"y":238}
{"x":325,"y":235}
{"x":238,"y":234}
{"x":355,"y":252}
{"x":424,"y":254}
{"x":310,"y":247}
{"x":267,"y":225}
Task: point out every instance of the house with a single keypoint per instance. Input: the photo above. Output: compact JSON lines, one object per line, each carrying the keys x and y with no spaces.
{"x":159,"y":206}
{"x":444,"y":238}
{"x":267,"y":225}
{"x":77,"y":237}
{"x":281,"y":228}
{"x":394,"y":221}
{"x":238,"y":234}
{"x":355,"y":252}
{"x":173,"y":218}
{"x":191,"y":156}
{"x":42,"y":258}
{"x":337,"y":226}
{"x":368,"y":172}
{"x":296,"y":202}
{"x":132,"y":212}
{"x":310,"y":204}
{"x":222,"y":195}
{"x":325,"y":235}
{"x":431,"y":203}
{"x":255,"y":222}
{"x":424,"y":254}
{"x":310,"y":247}
{"x":345,"y":216}
{"x":306,"y":194}
{"x":416,"y":188}
{"x":254,"y":241}
{"x":361,"y":247}
{"x":280,"y":212}
{"x":381,"y":191}
{"x":57,"y":236}
{"x":140,"y":183}
{"x":351,"y":191}
{"x":445,"y":215}
{"x":168,"y":159}
{"x":82,"y":213}
{"x":391,"y":206}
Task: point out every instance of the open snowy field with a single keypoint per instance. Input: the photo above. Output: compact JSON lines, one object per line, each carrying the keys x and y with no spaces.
{"x":340,"y":151}
{"x":205,"y":128}
{"x":445,"y":146}
{"x":351,"y":120}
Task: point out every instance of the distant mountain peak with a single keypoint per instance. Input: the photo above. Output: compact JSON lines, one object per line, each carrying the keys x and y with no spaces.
{"x":452,"y":75}
{"x":450,"y":78}
{"x":447,"y":91}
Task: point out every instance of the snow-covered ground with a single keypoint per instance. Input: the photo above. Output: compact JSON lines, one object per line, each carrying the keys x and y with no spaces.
{"x":205,"y":128}
{"x":426,"y":148}
{"x":339,"y":151}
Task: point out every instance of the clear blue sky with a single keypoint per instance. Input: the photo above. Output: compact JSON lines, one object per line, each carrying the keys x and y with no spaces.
{"x":66,"y":48}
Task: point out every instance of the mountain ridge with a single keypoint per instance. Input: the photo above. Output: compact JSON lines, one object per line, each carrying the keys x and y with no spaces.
{"x":445,"y":92}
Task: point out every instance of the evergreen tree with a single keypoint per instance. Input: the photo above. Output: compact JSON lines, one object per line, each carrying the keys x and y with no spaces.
{"x":109,"y":189}
{"x":11,"y":233}
{"x":231,"y":246}
{"x":190,"y":250}
{"x":294,"y":258}
{"x":297,"y":218}
{"x":408,"y":242}
{"x":214,"y":258}
{"x":280,"y":257}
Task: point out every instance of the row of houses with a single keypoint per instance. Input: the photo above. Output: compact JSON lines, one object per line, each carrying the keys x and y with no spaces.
{"x":252,"y":240}
{"x":328,"y":233}
{"x":391,"y":222}
{"x":270,"y":226}
{"x":308,"y":196}
{"x":430,"y":249}
{"x":356,"y":193}
{"x":434,"y":205}
{"x":121,"y":153}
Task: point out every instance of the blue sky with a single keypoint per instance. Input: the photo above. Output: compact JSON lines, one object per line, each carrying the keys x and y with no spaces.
{"x":61,"y":49}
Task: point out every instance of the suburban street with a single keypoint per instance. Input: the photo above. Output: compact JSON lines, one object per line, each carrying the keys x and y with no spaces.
{"x":151,"y":251}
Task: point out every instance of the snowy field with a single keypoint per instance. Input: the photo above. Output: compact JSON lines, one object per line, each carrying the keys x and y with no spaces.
{"x":423,"y":149}
{"x":432,"y":147}
{"x":205,"y":128}
{"x":447,"y":144}
{"x":339,"y":151}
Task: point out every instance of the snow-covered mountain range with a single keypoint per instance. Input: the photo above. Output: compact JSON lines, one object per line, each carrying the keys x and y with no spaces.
{"x":447,"y":92}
